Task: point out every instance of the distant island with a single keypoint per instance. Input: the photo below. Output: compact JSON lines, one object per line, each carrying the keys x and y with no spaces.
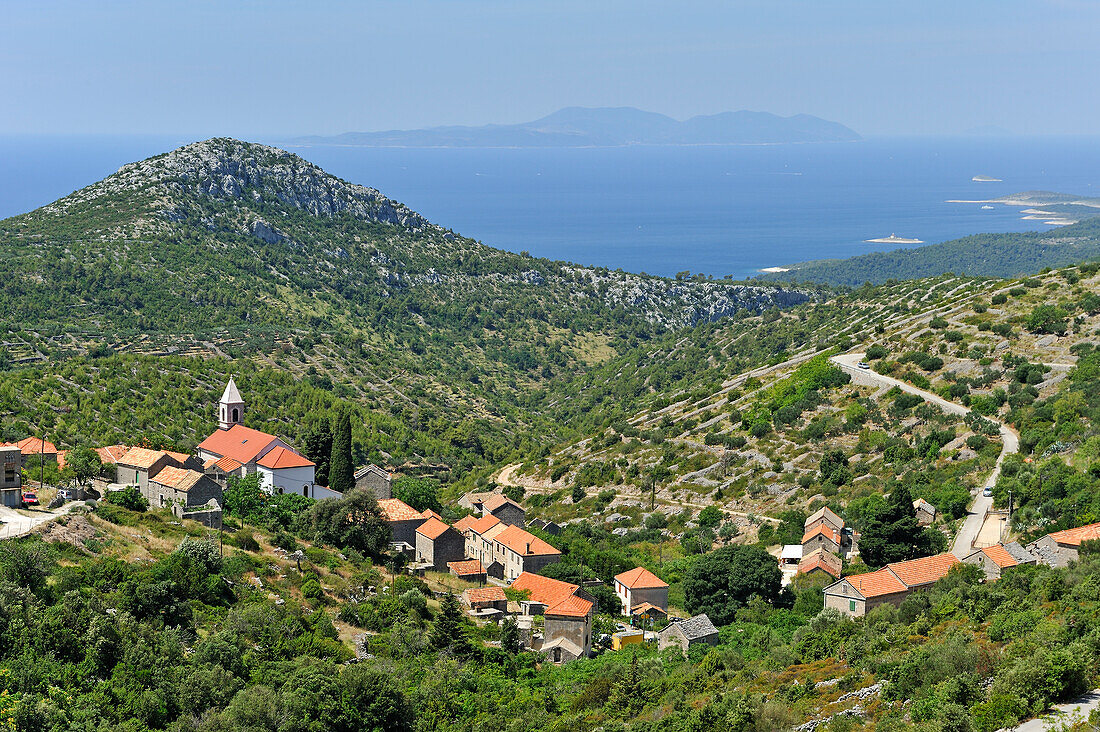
{"x":894,"y":239}
{"x":609,"y":127}
{"x":1055,"y":209}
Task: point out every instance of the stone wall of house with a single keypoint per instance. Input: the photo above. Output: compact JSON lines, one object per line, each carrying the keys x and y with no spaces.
{"x":449,"y":546}
{"x":654,"y":595}
{"x":511,"y":515}
{"x":380,"y":486}
{"x":577,"y":630}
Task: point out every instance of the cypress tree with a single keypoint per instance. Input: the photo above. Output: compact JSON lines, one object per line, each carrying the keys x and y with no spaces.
{"x":318,"y":448}
{"x":341,"y":467}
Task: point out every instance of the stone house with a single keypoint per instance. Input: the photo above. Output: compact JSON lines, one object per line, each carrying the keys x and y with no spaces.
{"x":856,"y":595}
{"x":11,"y":476}
{"x":402,"y":518}
{"x":826,"y":516}
{"x":140,"y":464}
{"x":178,"y":488}
{"x":1062,"y":547}
{"x":221,"y":470}
{"x":686,"y":633}
{"x":480,"y":599}
{"x":468,"y":570}
{"x":505,"y":509}
{"x":379,"y":481}
{"x":567,"y":610}
{"x":821,"y":536}
{"x":820,"y":563}
{"x":638,"y":586}
{"x":519,"y":551}
{"x":473,"y":501}
{"x":926,"y":512}
{"x":35,"y":447}
{"x":438,"y":544}
{"x":997,"y":558}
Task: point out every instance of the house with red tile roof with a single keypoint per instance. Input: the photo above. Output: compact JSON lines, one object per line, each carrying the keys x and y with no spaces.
{"x":481,"y":599}
{"x":139,"y":464}
{"x":820,"y":563}
{"x":821,"y":536}
{"x":639,"y":586}
{"x":402,"y":518}
{"x":1062,"y":547}
{"x":438,"y":544}
{"x":997,"y":558}
{"x":505,"y":509}
{"x":567,"y":610}
{"x":518,"y":550}
{"x":856,"y":595}
{"x":469,"y":570}
{"x":35,"y":446}
{"x":179,"y":488}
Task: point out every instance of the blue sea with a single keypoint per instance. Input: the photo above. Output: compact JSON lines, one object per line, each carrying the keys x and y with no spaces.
{"x":715,"y":210}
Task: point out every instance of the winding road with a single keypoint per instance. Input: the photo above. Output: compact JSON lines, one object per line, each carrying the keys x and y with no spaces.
{"x":1010,"y":443}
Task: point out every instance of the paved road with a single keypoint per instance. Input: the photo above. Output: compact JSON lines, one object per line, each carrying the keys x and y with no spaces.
{"x":17,"y":524}
{"x":1079,"y":707}
{"x":1010,"y":441}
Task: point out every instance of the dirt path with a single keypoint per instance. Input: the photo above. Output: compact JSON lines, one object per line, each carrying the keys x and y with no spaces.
{"x":1010,"y":443}
{"x":18,"y":524}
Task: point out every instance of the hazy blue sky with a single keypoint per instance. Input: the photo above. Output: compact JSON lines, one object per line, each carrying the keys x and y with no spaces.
{"x":272,"y":67}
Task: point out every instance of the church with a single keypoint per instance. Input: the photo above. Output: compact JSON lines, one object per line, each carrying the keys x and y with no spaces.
{"x":234,"y":449}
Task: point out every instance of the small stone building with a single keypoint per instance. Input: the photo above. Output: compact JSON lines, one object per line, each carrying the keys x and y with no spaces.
{"x":468,"y":570}
{"x":997,"y":558}
{"x":926,"y":512}
{"x":438,"y":544}
{"x":480,"y":599}
{"x":686,"y":633}
{"x":568,"y":613}
{"x":178,"y":488}
{"x":821,"y":563}
{"x":1062,"y":547}
{"x":11,"y":464}
{"x":138,"y":465}
{"x":821,"y":536}
{"x":505,"y":509}
{"x":379,"y":481}
{"x":402,"y":519}
{"x":856,"y":595}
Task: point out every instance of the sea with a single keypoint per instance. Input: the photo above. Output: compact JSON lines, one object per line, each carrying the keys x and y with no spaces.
{"x":715,"y":210}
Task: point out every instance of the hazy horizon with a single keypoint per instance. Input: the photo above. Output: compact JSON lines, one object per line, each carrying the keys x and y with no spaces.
{"x":264,"y":70}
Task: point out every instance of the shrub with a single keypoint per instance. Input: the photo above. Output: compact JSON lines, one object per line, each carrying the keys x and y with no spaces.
{"x":129,"y":498}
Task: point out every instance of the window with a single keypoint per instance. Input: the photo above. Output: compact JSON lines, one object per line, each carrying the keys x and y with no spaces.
{"x":852,"y":606}
{"x":236,"y":418}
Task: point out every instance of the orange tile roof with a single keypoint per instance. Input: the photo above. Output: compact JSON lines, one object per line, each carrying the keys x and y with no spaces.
{"x":181,"y":479}
{"x":432,"y":528}
{"x":483,"y":524}
{"x":646,"y":607}
{"x":924,"y":571}
{"x":36,"y":446}
{"x":485,"y":594}
{"x":241,"y":443}
{"x":1000,"y":556}
{"x":640,"y":578}
{"x":874,"y":584}
{"x":141,"y":457}
{"x":466,"y":567}
{"x":496,"y":500}
{"x":429,"y":513}
{"x":820,"y":559}
{"x":1074,"y":537}
{"x":523,"y":542}
{"x":62,"y":458}
{"x":279,"y":457}
{"x":394,"y":509}
{"x":112,"y":453}
{"x":465,"y":523}
{"x":558,"y":597}
{"x":825,"y":529}
{"x":227,"y":464}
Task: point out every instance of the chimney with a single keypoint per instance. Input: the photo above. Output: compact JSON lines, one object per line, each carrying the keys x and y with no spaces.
{"x":528,"y":547}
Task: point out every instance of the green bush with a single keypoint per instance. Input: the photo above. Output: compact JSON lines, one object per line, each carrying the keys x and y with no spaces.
{"x":129,"y":498}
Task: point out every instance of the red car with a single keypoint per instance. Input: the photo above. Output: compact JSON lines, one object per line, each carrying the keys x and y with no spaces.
{"x":31,"y":499}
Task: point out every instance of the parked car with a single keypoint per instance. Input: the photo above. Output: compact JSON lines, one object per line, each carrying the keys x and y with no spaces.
{"x":864,"y":365}
{"x":30,"y":498}
{"x":987,"y":492}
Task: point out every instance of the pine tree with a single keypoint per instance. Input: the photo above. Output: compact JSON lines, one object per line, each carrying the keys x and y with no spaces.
{"x":341,"y":467}
{"x":509,"y":635}
{"x":447,"y":631}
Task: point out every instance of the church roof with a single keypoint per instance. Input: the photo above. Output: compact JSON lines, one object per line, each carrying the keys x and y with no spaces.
{"x":241,"y":443}
{"x":231,"y":395}
{"x":280,"y":457}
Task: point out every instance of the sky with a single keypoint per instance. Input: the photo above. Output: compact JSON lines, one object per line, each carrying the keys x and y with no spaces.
{"x":276,"y":68}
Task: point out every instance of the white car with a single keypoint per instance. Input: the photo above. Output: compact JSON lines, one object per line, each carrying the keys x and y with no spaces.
{"x":987,"y":492}
{"x":864,"y":365}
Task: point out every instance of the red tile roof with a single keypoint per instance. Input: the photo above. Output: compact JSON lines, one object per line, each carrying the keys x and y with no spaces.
{"x":112,"y":453}
{"x":241,"y":443}
{"x":465,"y":523}
{"x":141,"y":457}
{"x":496,"y":500}
{"x":466,"y":567}
{"x":640,"y":578}
{"x":180,"y":479}
{"x":820,"y":559}
{"x":483,"y":524}
{"x":36,"y":446}
{"x":874,"y":584}
{"x":1000,"y":556}
{"x":825,"y":529}
{"x":924,"y":571}
{"x":558,"y":597}
{"x":524,"y":543}
{"x":429,"y":513}
{"x":485,"y":594}
{"x":227,"y":464}
{"x":394,"y":509}
{"x":279,"y":457}
{"x":646,"y":608}
{"x":1074,"y":537}
{"x":432,"y":528}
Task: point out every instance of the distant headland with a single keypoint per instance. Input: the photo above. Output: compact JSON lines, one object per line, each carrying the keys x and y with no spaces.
{"x":609,"y":127}
{"x":893,"y":239}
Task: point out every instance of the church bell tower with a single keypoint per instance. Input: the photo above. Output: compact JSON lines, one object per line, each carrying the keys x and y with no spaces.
{"x":231,"y":407}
